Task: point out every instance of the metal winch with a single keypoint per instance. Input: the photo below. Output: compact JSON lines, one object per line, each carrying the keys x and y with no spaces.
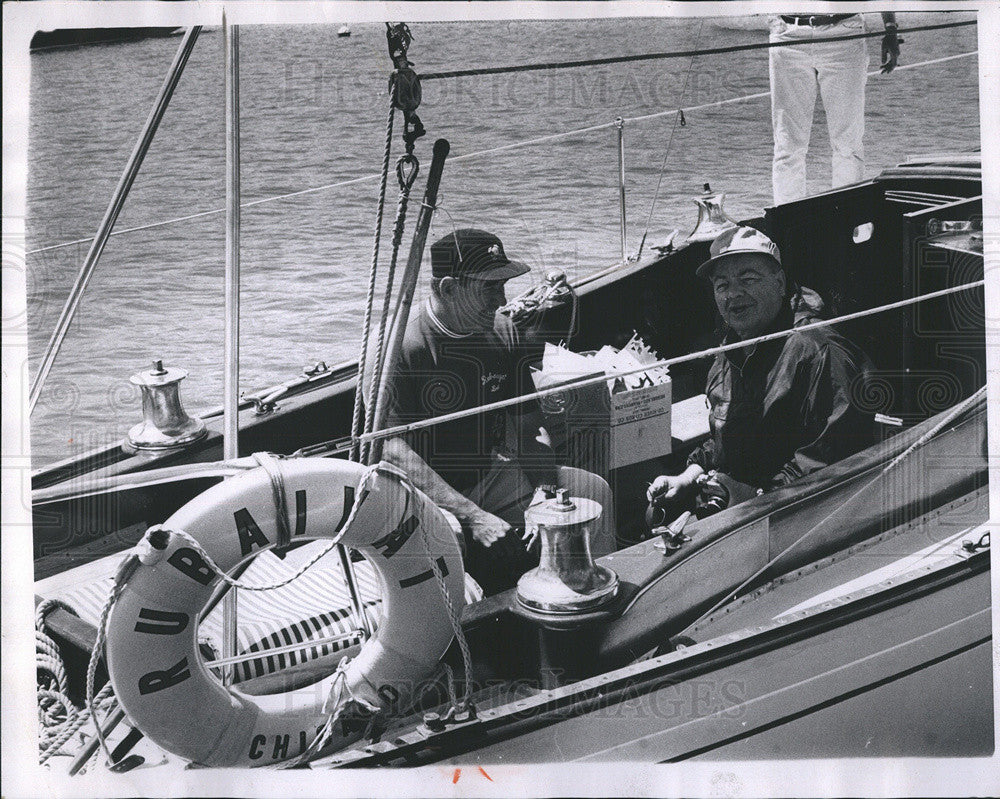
{"x":165,"y":425}
{"x":566,"y":579}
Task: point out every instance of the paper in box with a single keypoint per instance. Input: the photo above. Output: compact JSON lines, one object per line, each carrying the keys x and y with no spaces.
{"x":622,"y":420}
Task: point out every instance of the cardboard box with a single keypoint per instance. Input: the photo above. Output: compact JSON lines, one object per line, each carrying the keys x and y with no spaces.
{"x":601,"y":429}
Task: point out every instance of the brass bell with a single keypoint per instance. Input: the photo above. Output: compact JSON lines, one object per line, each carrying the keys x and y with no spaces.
{"x":566,"y":579}
{"x":712,"y":218}
{"x":165,"y":425}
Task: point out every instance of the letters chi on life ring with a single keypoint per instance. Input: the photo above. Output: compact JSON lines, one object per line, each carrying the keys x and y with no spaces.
{"x":152,"y":637}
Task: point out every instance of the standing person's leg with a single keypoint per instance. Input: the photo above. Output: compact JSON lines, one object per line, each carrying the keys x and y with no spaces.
{"x":843,"y":72}
{"x":793,"y":98}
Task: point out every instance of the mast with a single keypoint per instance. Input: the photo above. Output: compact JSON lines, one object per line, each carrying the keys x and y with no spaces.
{"x":231,"y":46}
{"x":230,"y":430}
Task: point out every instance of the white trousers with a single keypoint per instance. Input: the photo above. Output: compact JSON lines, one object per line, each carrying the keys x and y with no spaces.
{"x":839,"y":71}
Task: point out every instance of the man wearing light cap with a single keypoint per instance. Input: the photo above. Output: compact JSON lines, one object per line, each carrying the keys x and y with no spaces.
{"x":782,"y":408}
{"x":458,"y":353}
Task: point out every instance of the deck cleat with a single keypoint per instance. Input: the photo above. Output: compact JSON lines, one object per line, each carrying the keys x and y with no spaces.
{"x":165,"y":425}
{"x":712,"y":217}
{"x":566,"y":579}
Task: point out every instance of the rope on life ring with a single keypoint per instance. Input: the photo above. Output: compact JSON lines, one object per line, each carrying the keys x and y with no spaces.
{"x":152,"y":652}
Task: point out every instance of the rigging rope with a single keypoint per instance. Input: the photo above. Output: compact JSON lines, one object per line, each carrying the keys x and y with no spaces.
{"x":626,"y":59}
{"x":670,"y":142}
{"x":406,"y":180}
{"x":357,"y":417}
{"x":468,"y":156}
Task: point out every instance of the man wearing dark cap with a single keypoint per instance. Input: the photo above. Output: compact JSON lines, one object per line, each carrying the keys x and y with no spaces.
{"x":459,"y":353}
{"x":782,"y":408}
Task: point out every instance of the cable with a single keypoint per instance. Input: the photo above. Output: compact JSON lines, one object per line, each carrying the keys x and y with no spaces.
{"x":670,"y":142}
{"x":358,"y":414}
{"x":389,"y":432}
{"x":174,"y":473}
{"x":470,"y":156}
{"x":760,"y":95}
{"x":214,"y":211}
{"x":627,"y":59}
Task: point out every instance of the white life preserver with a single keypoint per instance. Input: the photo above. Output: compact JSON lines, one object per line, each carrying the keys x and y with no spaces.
{"x":152,"y":650}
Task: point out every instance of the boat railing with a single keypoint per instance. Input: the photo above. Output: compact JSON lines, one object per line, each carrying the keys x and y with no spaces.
{"x":667,"y":362}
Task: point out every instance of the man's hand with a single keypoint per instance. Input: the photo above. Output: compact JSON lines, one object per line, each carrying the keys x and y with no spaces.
{"x":486,"y":528}
{"x":890,"y":49}
{"x":669,"y":486}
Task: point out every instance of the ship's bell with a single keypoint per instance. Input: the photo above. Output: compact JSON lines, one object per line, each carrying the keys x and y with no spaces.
{"x":165,"y":425}
{"x":712,"y":218}
{"x":566,"y":579}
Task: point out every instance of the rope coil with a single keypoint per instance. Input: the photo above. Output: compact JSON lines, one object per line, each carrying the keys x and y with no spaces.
{"x":57,"y":714}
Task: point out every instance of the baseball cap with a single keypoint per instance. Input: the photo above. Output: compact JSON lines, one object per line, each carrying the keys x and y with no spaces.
{"x":739,"y":239}
{"x":473,"y":254}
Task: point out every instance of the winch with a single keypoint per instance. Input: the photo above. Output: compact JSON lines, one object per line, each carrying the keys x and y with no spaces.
{"x":566,"y":579}
{"x":165,"y":425}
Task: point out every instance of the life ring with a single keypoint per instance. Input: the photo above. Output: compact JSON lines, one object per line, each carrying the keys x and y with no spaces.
{"x":152,"y":652}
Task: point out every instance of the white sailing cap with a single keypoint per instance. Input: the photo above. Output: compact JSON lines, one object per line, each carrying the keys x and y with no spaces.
{"x":736,"y":240}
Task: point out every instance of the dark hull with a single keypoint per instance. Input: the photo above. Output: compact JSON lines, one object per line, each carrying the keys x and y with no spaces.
{"x":907,"y":673}
{"x":77,"y":37}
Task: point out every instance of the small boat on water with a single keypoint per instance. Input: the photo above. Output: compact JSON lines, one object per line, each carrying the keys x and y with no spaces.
{"x":343,"y":31}
{"x":781,"y":627}
{"x":77,"y":37}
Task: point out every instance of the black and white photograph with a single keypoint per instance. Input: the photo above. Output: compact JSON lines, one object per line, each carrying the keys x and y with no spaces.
{"x":500,"y":399}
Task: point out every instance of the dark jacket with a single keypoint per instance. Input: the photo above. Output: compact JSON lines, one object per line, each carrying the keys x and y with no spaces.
{"x":784,"y":408}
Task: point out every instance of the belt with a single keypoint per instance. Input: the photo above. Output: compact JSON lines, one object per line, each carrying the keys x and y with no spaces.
{"x":816,"y":19}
